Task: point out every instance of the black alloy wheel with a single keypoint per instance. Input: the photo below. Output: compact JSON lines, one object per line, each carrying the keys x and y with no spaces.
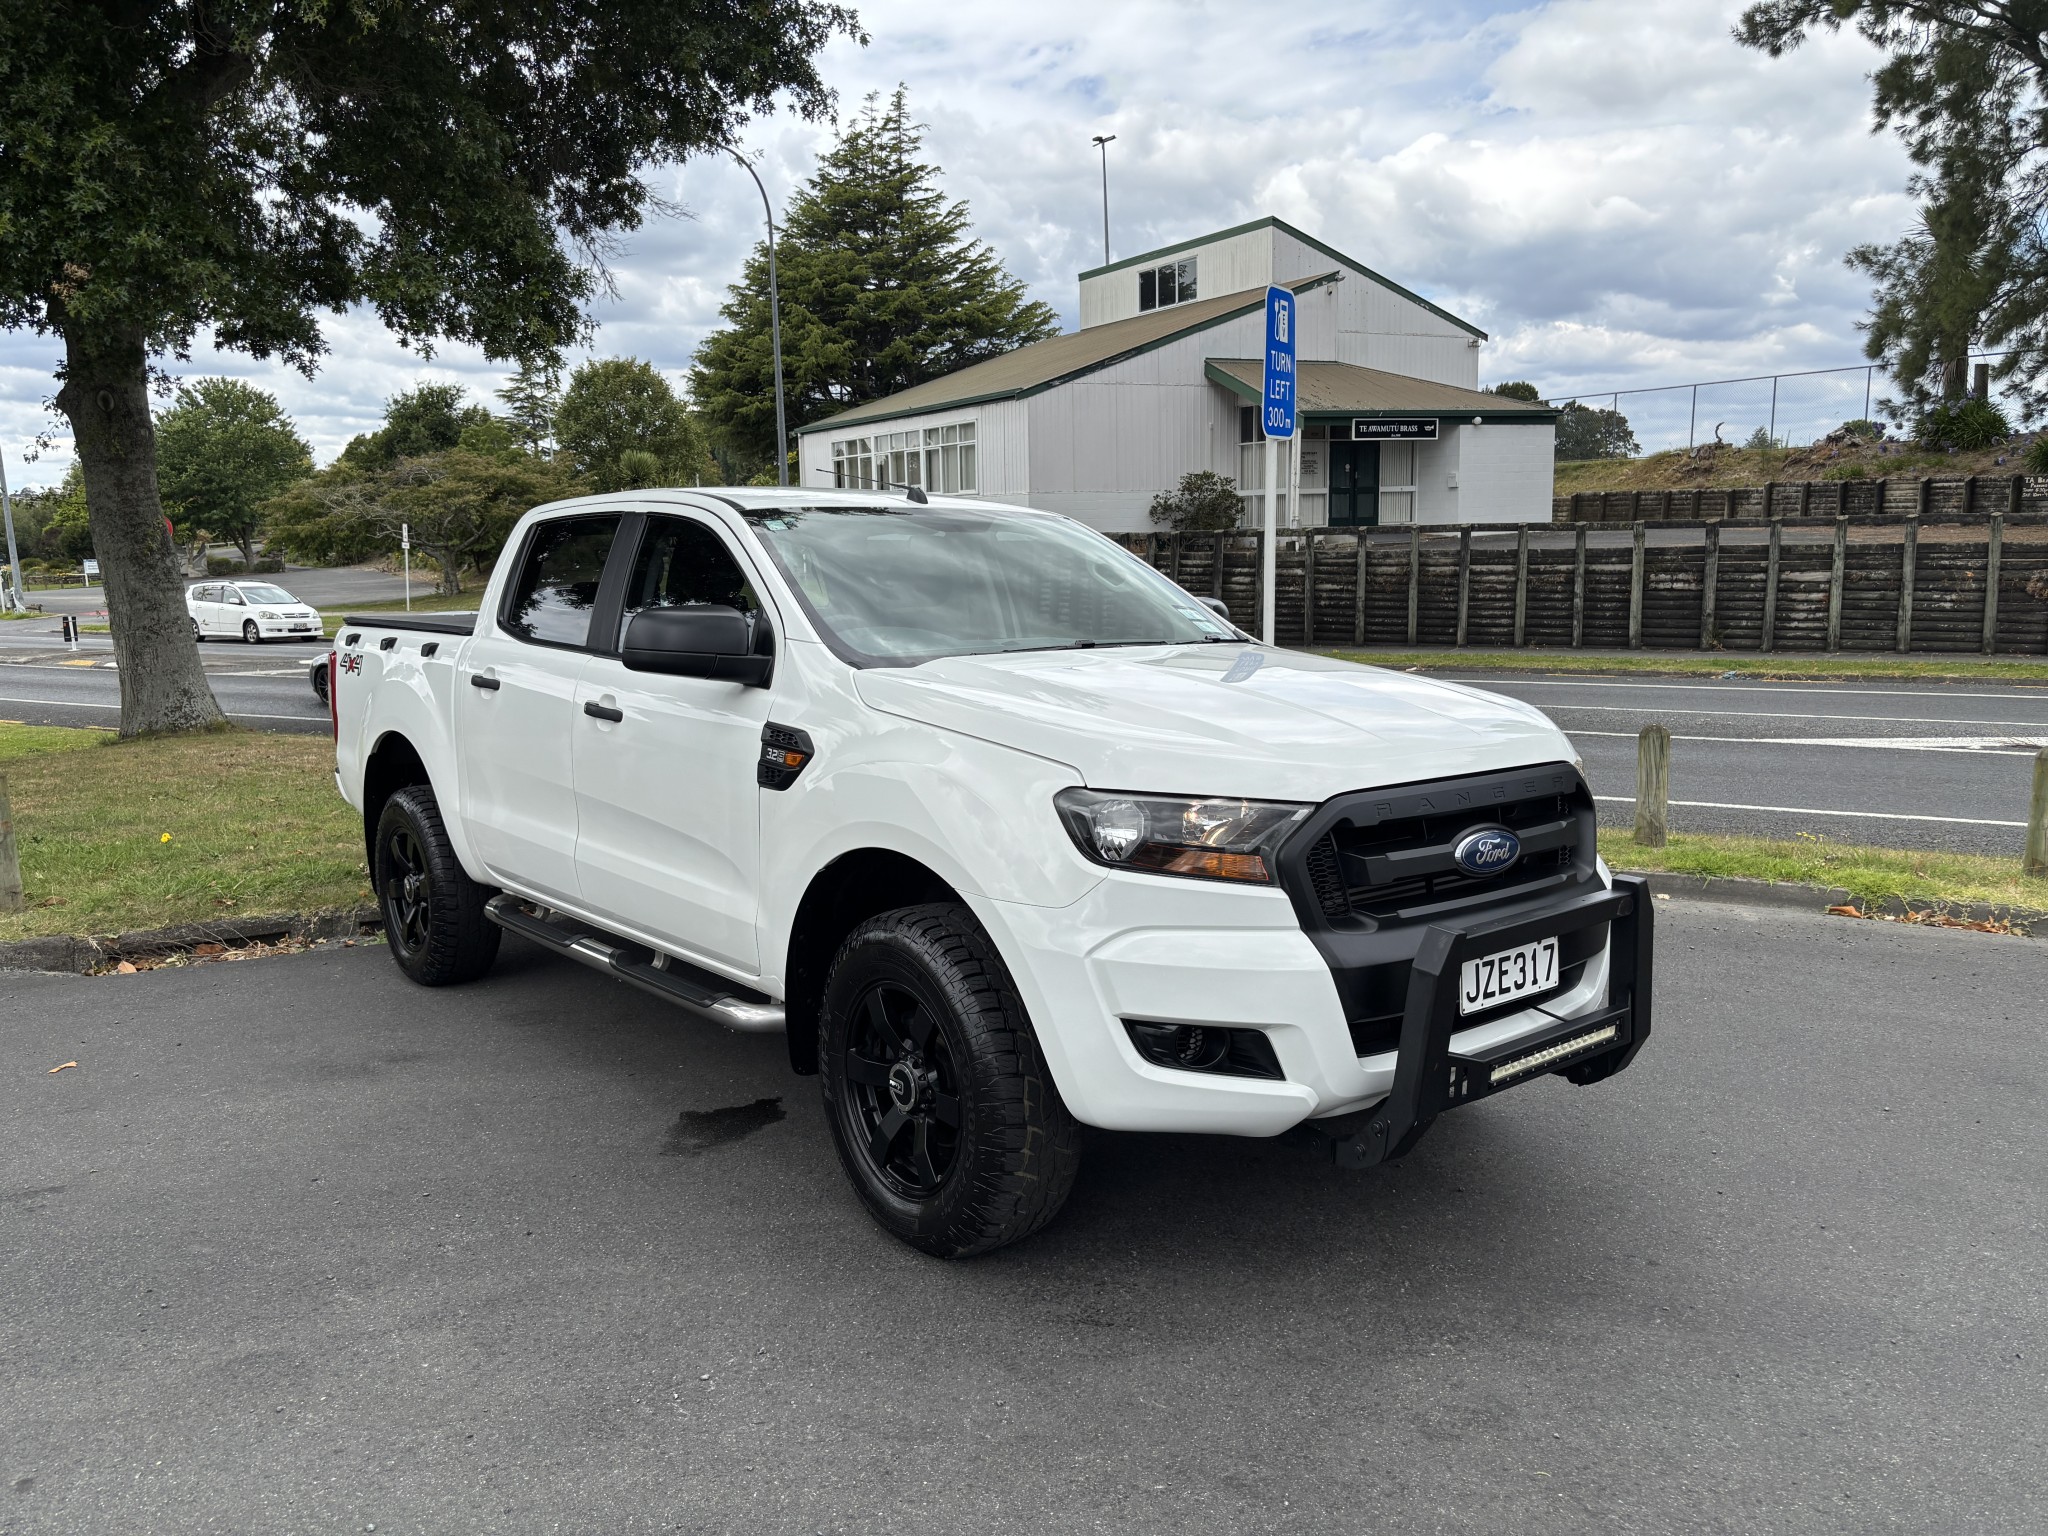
{"x":251,"y":633}
{"x":433,"y":913}
{"x":941,"y":1107}
{"x":319,"y":677}
{"x":902,"y":1090}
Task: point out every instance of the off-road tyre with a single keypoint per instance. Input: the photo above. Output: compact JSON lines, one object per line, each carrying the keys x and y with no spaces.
{"x":1011,"y":1158}
{"x":433,"y":913}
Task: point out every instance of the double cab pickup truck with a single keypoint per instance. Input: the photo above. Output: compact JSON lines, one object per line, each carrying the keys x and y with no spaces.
{"x":1006,"y":832}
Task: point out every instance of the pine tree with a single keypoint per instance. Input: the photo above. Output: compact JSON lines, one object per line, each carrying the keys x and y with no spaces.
{"x":531,"y":400}
{"x":882,"y":288}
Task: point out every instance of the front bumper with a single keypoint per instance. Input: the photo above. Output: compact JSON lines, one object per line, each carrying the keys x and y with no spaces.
{"x":1431,"y":1077}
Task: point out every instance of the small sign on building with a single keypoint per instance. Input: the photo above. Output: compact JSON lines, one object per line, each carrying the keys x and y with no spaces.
{"x":1418,"y":429}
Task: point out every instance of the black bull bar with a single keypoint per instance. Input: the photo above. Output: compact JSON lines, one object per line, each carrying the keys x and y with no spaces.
{"x":1430,"y":1078}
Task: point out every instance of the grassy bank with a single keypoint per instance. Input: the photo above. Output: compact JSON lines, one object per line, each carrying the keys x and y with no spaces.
{"x":1735,"y":467}
{"x":1870,"y":874}
{"x":1960,"y":669}
{"x":142,"y":834}
{"x":422,"y":602}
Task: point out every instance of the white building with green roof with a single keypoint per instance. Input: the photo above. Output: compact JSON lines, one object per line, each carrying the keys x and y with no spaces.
{"x":1163,"y":378}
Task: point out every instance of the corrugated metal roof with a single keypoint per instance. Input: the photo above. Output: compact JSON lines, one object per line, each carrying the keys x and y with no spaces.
{"x":1043,"y":364}
{"x":1346,"y":387}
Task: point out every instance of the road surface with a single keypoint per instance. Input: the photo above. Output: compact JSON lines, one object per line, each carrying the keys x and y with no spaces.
{"x":1909,"y":765}
{"x":297,"y":1247}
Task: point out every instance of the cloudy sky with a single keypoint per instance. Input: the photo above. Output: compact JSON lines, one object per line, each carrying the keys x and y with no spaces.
{"x":1611,"y":188}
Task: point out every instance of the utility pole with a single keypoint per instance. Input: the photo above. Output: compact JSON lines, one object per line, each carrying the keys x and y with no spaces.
{"x":774,"y":325}
{"x":17,"y":601}
{"x":1102,"y":142}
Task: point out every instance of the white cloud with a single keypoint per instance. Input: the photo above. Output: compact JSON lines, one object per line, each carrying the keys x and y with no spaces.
{"x":1614,"y":190}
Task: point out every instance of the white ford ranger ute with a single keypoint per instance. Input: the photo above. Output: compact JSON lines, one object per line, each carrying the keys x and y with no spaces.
{"x":1008,"y":832}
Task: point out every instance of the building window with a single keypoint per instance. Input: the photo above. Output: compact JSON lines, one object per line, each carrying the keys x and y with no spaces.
{"x":1173,"y":283}
{"x":937,"y":458}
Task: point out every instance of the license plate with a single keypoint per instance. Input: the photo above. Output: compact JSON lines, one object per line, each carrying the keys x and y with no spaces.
{"x":1520,"y":972}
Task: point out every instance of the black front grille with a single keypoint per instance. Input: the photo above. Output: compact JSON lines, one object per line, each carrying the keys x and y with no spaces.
{"x":1387,"y":856}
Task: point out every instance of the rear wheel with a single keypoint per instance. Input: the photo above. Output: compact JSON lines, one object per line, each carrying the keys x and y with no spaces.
{"x":197,"y":633}
{"x":251,"y":633}
{"x":940,"y":1105}
{"x":319,"y":673}
{"x":433,"y":913}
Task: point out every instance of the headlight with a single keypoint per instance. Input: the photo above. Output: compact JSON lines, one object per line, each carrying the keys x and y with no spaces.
{"x":1178,"y":835}
{"x":267,"y":614}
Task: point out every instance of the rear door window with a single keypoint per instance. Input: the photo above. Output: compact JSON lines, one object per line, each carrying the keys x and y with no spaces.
{"x":552,"y":599}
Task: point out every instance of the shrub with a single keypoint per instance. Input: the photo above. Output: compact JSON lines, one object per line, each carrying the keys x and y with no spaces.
{"x":1965,"y":425}
{"x":223,"y":565}
{"x":2035,"y":460}
{"x":1861,"y":427}
{"x":1761,"y":439}
{"x":1203,"y":502}
{"x":267,"y":565}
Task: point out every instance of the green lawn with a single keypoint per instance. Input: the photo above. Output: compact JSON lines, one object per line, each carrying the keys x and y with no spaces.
{"x":1870,"y":874}
{"x":423,"y":601}
{"x":1795,"y":668}
{"x":142,"y":834}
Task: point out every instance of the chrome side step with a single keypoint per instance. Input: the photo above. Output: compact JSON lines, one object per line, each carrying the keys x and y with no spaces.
{"x":675,"y":981}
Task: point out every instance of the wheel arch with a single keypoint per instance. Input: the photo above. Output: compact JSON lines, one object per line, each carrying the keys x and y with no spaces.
{"x":841,"y":896}
{"x":393,"y":764}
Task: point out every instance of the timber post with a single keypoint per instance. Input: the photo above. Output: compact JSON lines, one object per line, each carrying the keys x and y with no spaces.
{"x":1909,"y":564}
{"x":1521,"y":584}
{"x":1710,"y":583}
{"x":2037,"y":818}
{"x":1579,"y":589}
{"x":1635,"y":592}
{"x":1358,"y":596}
{"x":1836,"y":575}
{"x":1464,"y":581}
{"x":1994,"y":549}
{"x":1770,"y":633}
{"x":1653,"y":786}
{"x":11,"y":897}
{"x":1308,"y":589}
{"x":1414,"y":581}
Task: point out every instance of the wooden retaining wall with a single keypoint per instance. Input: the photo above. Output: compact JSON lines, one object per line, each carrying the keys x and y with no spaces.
{"x":1853,"y":584}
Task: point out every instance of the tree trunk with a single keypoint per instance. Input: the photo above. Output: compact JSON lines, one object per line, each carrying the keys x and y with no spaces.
{"x":450,"y":561}
{"x":106,"y":397}
{"x":247,"y":545}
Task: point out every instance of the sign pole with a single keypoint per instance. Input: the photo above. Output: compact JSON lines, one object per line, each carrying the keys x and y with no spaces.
{"x":17,"y":601}
{"x":405,"y":544}
{"x":1276,"y":419}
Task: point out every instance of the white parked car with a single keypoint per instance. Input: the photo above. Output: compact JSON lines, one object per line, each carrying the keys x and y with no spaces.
{"x":1009,"y":833}
{"x":254,"y":611}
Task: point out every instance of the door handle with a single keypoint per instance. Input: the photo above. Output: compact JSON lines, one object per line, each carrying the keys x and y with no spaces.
{"x":478,"y":680}
{"x":597,"y":711}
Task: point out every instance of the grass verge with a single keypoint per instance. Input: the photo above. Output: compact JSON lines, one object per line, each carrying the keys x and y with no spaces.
{"x":1779,"y":668}
{"x":1869,"y":874}
{"x":120,"y":835}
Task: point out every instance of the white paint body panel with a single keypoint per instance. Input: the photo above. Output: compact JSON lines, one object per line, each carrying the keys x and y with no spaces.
{"x":954,"y":764}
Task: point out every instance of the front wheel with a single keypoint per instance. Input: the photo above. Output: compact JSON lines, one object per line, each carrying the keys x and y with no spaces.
{"x":940,"y":1104}
{"x":433,"y":913}
{"x":251,"y":633}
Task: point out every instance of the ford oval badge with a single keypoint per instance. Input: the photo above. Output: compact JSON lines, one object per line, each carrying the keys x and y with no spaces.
{"x":1488,"y":851}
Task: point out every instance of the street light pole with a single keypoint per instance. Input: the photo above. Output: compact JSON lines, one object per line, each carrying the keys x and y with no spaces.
{"x":19,"y":603}
{"x":774,"y":325}
{"x":1102,"y":142}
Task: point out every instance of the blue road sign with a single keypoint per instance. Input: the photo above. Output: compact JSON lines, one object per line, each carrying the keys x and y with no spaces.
{"x":1278,"y":407}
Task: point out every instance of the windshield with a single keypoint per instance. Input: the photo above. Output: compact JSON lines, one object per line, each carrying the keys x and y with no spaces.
{"x":258,"y":593}
{"x":899,"y":585}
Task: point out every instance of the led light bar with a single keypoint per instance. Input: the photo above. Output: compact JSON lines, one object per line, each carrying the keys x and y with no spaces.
{"x":1551,"y":1055}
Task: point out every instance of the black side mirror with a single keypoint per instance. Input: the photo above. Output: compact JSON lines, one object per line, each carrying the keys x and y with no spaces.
{"x":697,"y":641}
{"x":1217,"y":606}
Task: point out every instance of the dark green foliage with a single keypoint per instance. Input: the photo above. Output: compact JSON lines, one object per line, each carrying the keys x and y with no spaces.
{"x":1204,"y":501}
{"x":2035,"y":460}
{"x":1961,"y":85}
{"x":1518,"y":390}
{"x":620,"y":405}
{"x":531,"y":399}
{"x":429,"y":419}
{"x":222,"y":450}
{"x":1584,"y":432}
{"x":1869,"y":431}
{"x":1760,"y":441}
{"x":1964,"y":425}
{"x":242,"y":166}
{"x":882,"y":288}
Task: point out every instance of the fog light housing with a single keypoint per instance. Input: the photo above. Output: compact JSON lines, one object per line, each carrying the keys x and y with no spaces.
{"x":1205,"y":1048}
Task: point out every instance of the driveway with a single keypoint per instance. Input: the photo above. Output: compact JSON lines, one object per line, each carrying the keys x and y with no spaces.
{"x":299,"y":1248}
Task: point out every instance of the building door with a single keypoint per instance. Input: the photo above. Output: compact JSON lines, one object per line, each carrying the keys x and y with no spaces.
{"x":1354,"y":485}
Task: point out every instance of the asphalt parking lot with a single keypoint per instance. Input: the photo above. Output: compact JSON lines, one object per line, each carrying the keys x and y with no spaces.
{"x":296,"y":1247}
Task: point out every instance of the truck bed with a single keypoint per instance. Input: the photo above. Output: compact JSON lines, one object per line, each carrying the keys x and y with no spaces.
{"x":426,"y":623}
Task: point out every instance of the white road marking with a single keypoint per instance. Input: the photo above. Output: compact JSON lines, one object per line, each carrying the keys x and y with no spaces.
{"x":1983,"y":746}
{"x":1767,"y":714}
{"x":236,"y":714}
{"x":1817,"y":686}
{"x":1812,"y":810}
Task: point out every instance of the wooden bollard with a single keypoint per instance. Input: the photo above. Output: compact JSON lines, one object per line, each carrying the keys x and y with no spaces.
{"x":11,"y":899}
{"x":1653,"y":786}
{"x":2037,"y":818}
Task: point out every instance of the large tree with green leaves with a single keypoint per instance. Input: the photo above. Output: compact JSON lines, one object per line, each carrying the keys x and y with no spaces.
{"x":882,"y":288}
{"x":1962,"y":85}
{"x":235,"y":167}
{"x":617,"y":406}
{"x":223,"y":450}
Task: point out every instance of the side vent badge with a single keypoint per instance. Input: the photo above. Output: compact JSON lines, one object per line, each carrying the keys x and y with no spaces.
{"x":784,"y":752}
